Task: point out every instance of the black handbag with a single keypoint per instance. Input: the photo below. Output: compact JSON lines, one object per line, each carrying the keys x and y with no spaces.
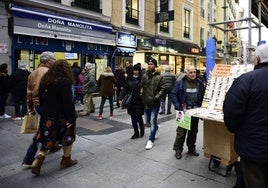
{"x":126,"y":101}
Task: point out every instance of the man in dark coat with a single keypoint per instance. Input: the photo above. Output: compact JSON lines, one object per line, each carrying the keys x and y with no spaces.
{"x":187,"y":94}
{"x":119,"y":75}
{"x":18,"y":82}
{"x":245,"y":114}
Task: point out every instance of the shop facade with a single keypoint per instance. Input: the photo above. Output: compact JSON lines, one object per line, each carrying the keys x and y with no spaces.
{"x":176,"y":54}
{"x":34,"y":31}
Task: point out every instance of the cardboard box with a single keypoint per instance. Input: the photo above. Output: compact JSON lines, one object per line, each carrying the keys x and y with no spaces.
{"x":219,"y":142}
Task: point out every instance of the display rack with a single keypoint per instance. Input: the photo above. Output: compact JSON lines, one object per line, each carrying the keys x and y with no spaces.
{"x":218,"y":142}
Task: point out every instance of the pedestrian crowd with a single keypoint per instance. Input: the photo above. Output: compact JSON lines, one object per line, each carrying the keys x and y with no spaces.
{"x":54,"y":87}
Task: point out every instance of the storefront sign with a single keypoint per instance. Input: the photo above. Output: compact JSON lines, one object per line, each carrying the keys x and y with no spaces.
{"x":3,"y":48}
{"x":126,"y":39}
{"x":33,"y":23}
{"x":195,"y":50}
{"x":164,"y":16}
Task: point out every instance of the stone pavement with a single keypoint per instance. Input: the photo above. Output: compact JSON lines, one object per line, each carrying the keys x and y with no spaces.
{"x":107,"y":157}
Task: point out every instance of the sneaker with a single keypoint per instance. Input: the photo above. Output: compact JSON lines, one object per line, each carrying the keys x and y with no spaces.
{"x":99,"y":117}
{"x":16,"y":118}
{"x":5,"y":116}
{"x":111,"y":116}
{"x":149,"y":145}
{"x":169,"y":113}
{"x":27,"y":164}
{"x":162,"y":113}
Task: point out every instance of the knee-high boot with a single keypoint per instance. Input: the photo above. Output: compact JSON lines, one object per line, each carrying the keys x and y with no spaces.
{"x":66,"y":158}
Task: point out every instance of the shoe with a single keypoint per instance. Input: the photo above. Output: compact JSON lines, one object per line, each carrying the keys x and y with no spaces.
{"x":162,"y":113}
{"x":149,"y":145}
{"x":135,"y":135}
{"x":111,"y":116}
{"x":147,"y":125}
{"x":67,"y":162}
{"x":178,"y":154}
{"x":36,"y":166}
{"x":193,"y":152}
{"x":5,"y":116}
{"x":84,"y":113}
{"x":27,"y":164}
{"x":169,"y":113}
{"x":16,"y":118}
{"x":99,"y":117}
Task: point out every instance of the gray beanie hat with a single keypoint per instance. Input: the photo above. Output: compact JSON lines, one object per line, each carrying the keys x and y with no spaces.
{"x":46,"y":56}
{"x":262,"y":52}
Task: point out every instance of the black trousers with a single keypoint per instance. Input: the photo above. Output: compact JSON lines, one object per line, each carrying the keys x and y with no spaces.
{"x":191,"y":136}
{"x":255,"y":174}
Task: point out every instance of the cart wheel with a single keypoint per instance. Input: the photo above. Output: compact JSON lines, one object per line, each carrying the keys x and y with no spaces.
{"x":216,"y":162}
{"x":229,"y":167}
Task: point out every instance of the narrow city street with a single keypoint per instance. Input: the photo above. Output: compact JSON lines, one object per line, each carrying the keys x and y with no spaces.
{"x":107,"y":157}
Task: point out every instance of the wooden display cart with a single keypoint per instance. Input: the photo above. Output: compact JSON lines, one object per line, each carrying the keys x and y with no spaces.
{"x":219,"y":146}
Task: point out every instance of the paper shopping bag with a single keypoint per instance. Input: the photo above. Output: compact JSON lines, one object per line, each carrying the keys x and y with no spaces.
{"x":29,"y":124}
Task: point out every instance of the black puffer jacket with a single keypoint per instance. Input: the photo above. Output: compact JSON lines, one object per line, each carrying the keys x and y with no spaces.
{"x":246,"y":114}
{"x":133,"y":85}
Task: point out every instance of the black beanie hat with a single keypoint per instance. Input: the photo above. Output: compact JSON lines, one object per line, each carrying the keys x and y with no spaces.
{"x":152,"y":61}
{"x":136,"y":67}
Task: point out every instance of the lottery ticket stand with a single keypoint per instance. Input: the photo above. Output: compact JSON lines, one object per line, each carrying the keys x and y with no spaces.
{"x":218,"y":142}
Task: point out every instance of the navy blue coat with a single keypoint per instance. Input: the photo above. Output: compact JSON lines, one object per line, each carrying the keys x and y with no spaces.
{"x":178,"y":94}
{"x":245,"y":111}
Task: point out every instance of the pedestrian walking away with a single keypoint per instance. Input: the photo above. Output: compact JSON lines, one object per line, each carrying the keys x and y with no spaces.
{"x":170,"y":80}
{"x":187,"y":93}
{"x":152,"y":90}
{"x":47,"y":59}
{"x":18,"y":82}
{"x":106,"y":82}
{"x":4,"y":90}
{"x":58,"y":116}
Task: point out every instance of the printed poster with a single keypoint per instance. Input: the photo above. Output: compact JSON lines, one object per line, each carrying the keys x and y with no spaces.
{"x":183,"y":120}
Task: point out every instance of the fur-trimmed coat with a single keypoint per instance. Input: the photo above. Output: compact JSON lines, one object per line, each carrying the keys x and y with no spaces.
{"x":106,"y":82}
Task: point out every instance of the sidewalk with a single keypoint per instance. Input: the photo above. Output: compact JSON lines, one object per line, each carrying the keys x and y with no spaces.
{"x":107,"y":157}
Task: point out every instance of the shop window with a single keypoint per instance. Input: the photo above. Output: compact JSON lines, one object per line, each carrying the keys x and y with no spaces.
{"x":41,"y":41}
{"x":132,"y":12}
{"x":93,"y":5}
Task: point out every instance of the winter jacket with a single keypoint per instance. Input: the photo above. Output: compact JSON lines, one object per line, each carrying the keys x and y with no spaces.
{"x":133,"y":85}
{"x":119,"y":75}
{"x":89,"y":82}
{"x":178,"y":94}
{"x":245,"y":114}
{"x":18,"y":82}
{"x":4,"y":83}
{"x":106,"y":82}
{"x":170,"y":80}
{"x":33,"y":85}
{"x":79,"y":86}
{"x":153,"y":87}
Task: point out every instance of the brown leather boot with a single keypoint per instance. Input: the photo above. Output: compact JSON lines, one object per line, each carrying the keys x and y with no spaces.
{"x":36,"y":166}
{"x":67,"y":162}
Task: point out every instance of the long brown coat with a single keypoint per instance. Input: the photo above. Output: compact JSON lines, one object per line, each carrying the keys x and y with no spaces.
{"x":106,"y":82}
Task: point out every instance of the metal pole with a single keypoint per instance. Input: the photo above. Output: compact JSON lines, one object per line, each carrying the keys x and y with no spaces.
{"x":210,"y":19}
{"x":259,"y":18}
{"x":249,"y":33}
{"x":225,"y":34}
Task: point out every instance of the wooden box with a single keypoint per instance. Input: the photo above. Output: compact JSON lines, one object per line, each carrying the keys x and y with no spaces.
{"x":219,"y":142}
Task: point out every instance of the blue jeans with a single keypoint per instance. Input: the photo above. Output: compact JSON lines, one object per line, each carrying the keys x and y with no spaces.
{"x":31,"y":151}
{"x":111,"y":102}
{"x":151,"y":115}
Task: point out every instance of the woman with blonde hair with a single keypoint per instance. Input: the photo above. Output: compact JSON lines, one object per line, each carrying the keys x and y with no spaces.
{"x":106,"y":82}
{"x":57,"y":118}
